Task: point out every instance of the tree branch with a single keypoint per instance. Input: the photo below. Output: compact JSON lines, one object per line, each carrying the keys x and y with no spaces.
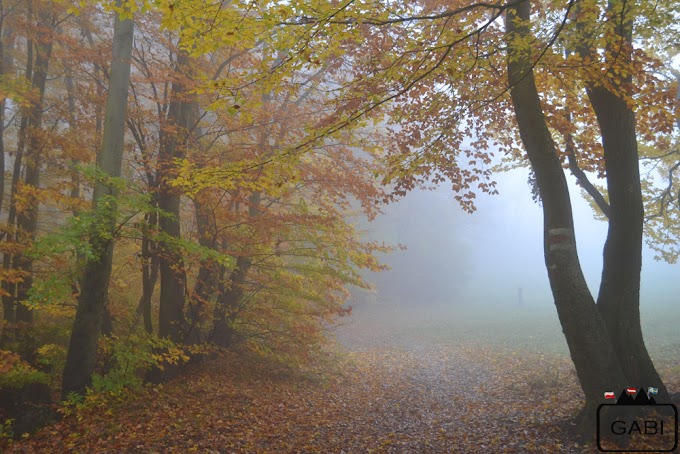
{"x":581,"y":176}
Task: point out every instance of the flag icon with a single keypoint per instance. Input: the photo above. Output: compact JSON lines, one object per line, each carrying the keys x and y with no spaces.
{"x":609,"y":395}
{"x":631,"y":390}
{"x":651,"y":390}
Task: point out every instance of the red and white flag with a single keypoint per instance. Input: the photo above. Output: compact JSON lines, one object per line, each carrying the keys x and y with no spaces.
{"x":609,"y":395}
{"x":631,"y":390}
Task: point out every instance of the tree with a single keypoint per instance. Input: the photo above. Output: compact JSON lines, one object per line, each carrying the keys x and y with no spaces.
{"x":590,"y":346}
{"x":82,"y":351}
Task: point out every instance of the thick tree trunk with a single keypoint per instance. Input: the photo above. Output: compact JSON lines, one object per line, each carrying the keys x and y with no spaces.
{"x":596,"y":363}
{"x":227,"y":303}
{"x":171,"y":318}
{"x":173,"y":282}
{"x":230,"y":297}
{"x":82,"y":351}
{"x":619,"y":295}
{"x":209,"y":272}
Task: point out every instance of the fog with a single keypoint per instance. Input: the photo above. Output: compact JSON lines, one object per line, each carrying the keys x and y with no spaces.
{"x":481,"y":259}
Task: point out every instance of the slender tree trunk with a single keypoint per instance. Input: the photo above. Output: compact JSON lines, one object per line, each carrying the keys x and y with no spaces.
{"x":171,"y":322}
{"x":209,"y":270}
{"x":9,"y":299}
{"x":3,"y":72}
{"x":596,"y":363}
{"x":82,"y":351}
{"x":227,"y":303}
{"x":149,"y":272}
{"x":6,"y":64}
{"x":73,"y":126}
{"x":8,"y":261}
{"x":6,"y":69}
{"x":27,"y":220}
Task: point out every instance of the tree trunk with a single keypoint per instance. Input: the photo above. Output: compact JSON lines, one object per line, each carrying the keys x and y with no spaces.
{"x":4,"y":66}
{"x":596,"y":363}
{"x":209,"y":271}
{"x":149,"y":272}
{"x":227,"y":303}
{"x":172,"y":288}
{"x":82,"y":351}
{"x":27,"y":220}
{"x":9,"y":299}
{"x":619,"y":295}
{"x":229,"y":298}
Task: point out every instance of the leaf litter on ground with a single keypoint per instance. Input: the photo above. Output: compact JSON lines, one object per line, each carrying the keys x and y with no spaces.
{"x":411,"y":396}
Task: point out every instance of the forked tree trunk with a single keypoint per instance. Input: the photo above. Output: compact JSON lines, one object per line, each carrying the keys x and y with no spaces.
{"x":82,"y":352}
{"x":596,"y":363}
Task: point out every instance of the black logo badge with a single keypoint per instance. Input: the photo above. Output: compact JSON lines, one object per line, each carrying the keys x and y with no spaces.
{"x":636,"y":424}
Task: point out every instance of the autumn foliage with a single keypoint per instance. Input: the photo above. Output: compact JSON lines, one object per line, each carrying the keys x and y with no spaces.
{"x":258,"y":240}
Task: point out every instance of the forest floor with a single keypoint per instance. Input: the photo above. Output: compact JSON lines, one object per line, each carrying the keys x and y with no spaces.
{"x":408,"y":383}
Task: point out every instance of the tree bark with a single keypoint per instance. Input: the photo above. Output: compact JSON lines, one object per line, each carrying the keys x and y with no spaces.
{"x":596,"y":363}
{"x":82,"y":352}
